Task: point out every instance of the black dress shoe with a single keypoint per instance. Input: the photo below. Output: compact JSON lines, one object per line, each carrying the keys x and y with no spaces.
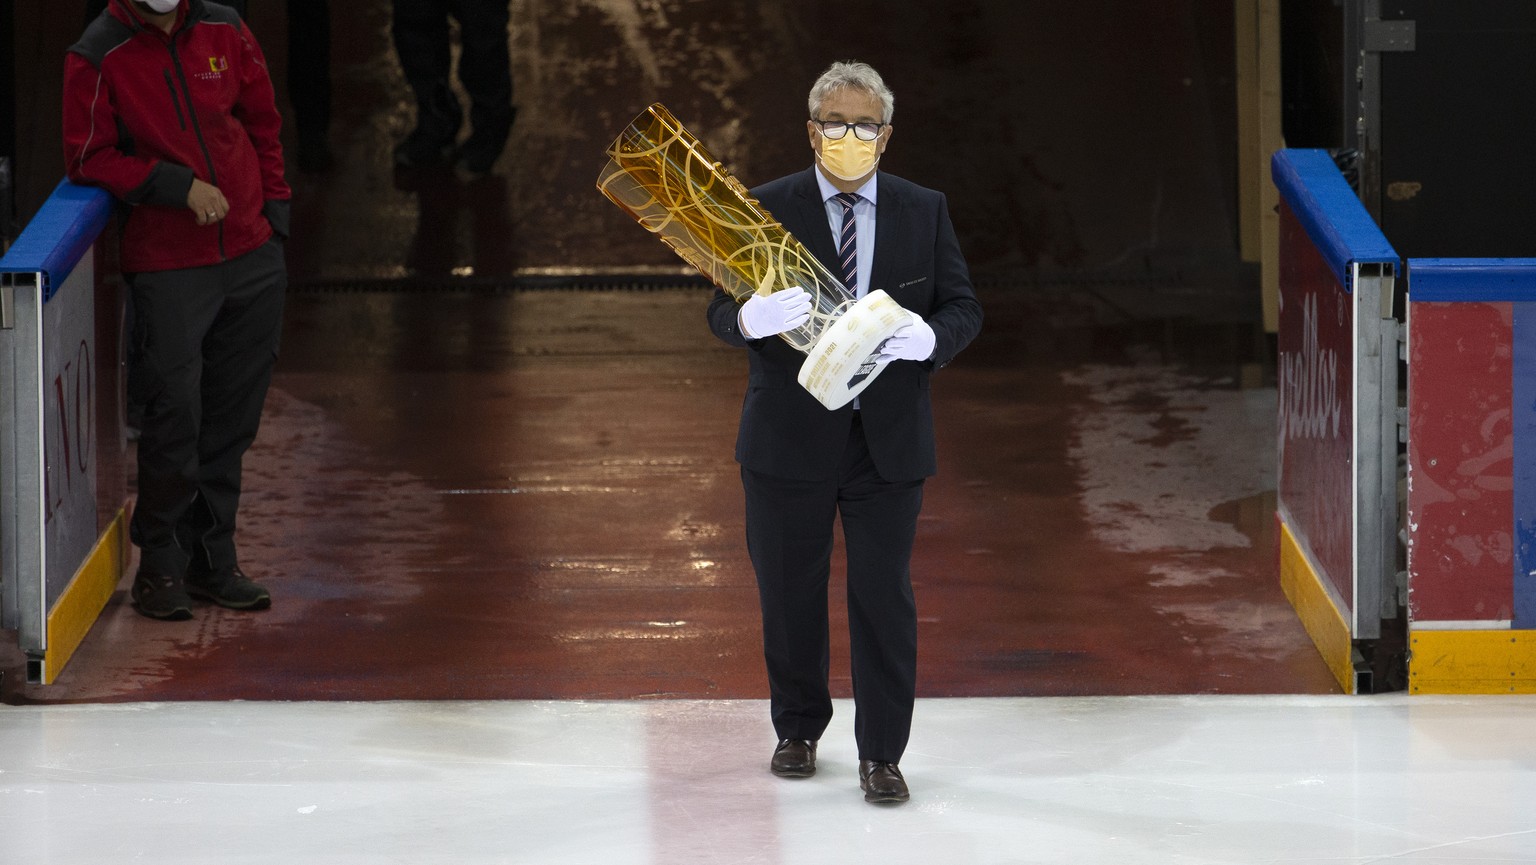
{"x":794,"y":758}
{"x":882,"y":782}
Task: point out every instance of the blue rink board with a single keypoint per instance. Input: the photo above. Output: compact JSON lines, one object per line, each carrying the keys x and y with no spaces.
{"x":57,"y":238}
{"x":1328,"y":209}
{"x":1435,"y":280}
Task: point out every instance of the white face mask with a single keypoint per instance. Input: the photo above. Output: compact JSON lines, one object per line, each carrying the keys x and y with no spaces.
{"x":162,"y":6}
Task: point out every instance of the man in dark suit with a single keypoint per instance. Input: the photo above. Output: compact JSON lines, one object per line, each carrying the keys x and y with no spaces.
{"x":803,"y":465}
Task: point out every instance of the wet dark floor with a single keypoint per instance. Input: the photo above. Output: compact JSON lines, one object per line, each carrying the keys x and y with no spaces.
{"x":530,"y":495}
{"x":467,"y":489}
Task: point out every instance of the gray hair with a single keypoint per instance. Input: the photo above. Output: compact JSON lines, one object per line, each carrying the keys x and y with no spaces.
{"x":855,"y":75}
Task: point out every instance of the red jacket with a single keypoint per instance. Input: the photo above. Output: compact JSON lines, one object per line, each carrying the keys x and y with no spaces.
{"x":145,"y":112}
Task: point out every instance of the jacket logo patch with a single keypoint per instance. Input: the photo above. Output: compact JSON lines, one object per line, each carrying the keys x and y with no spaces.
{"x":218,"y":64}
{"x":913,"y":281}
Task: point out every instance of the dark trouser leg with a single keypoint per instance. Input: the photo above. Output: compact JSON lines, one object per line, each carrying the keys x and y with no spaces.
{"x":420,"y":31}
{"x":172,"y":312}
{"x":789,"y":538}
{"x":309,"y":68}
{"x":879,"y":525}
{"x":485,"y":68}
{"x":238,"y":354}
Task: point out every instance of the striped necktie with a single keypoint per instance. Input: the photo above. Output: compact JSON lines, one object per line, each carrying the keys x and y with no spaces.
{"x":847,"y":243}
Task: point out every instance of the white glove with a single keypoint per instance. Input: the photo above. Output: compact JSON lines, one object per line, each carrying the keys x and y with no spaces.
{"x":768,"y":314}
{"x":914,"y":341}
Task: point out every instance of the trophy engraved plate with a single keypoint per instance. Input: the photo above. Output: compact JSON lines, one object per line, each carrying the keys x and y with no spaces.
{"x":659,"y":173}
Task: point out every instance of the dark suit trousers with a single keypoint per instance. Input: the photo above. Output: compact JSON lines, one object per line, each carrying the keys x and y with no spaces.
{"x":789,"y":538}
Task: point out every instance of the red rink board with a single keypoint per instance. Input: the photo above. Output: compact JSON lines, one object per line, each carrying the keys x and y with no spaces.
{"x":1316,"y":428}
{"x":1461,"y":462}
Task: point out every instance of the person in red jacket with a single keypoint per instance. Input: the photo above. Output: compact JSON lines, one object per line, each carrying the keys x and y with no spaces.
{"x":168,"y":105}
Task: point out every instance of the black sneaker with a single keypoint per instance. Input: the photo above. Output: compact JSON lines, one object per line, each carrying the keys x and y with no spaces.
{"x":479,"y":152}
{"x":160,"y":597}
{"x":231,"y":588}
{"x":431,"y":142}
{"x":421,"y":149}
{"x":478,"y":155}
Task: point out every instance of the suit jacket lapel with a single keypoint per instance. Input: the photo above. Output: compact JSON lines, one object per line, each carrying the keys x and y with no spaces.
{"x":808,"y":223}
{"x":888,"y":230}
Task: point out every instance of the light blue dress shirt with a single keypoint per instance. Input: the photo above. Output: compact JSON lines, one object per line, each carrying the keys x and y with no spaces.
{"x":863,"y":223}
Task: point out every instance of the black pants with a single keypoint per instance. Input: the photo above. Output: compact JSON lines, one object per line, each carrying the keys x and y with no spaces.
{"x":309,"y":68}
{"x":420,"y":31}
{"x":789,"y":538}
{"x":206,"y":339}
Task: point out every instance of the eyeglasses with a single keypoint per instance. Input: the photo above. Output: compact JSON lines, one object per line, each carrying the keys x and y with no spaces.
{"x":835,"y":129}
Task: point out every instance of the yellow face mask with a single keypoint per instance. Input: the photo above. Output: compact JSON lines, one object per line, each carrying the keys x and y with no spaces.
{"x":850,"y":157}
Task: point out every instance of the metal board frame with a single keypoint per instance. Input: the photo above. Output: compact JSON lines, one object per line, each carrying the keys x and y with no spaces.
{"x":1375,"y":448}
{"x":23,"y":547}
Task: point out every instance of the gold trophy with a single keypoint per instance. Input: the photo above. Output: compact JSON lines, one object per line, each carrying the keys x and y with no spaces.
{"x":660,"y":174}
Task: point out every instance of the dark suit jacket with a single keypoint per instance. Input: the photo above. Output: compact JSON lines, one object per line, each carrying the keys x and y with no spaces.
{"x":784,"y":431}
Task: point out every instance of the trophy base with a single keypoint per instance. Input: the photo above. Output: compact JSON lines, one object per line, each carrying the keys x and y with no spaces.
{"x":843,"y":361}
